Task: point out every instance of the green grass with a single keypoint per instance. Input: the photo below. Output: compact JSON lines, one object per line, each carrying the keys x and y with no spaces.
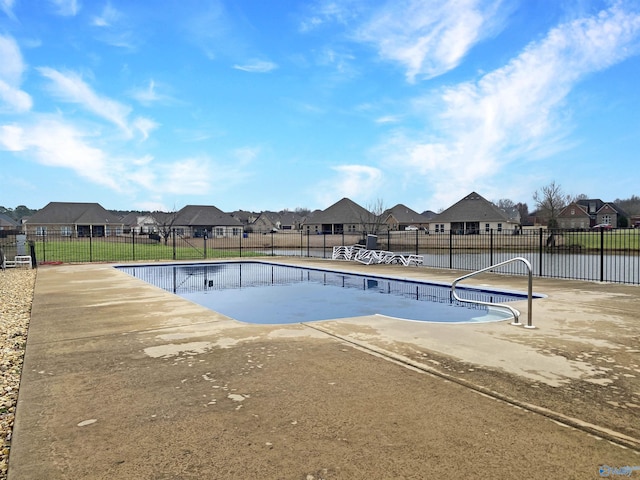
{"x":616,"y":240}
{"x":101,"y":251}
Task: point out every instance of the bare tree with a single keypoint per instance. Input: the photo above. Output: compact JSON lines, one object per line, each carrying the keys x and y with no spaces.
{"x":374,"y":218}
{"x":550,"y":201}
{"x":165,"y":223}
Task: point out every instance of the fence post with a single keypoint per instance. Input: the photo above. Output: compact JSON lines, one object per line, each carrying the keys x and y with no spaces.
{"x":90,"y":243}
{"x":133,"y":244}
{"x":241,"y":237}
{"x":173,"y":237}
{"x":301,"y":236}
{"x":308,"y":253}
{"x":204,"y":240}
{"x":417,"y":246}
{"x":540,"y":255}
{"x":324,"y":244}
{"x":272,"y":252}
{"x":450,"y":248}
{"x":491,"y":246}
{"x":601,"y":254}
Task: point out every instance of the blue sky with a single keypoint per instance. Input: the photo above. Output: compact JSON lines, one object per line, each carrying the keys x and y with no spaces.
{"x":267,"y":105}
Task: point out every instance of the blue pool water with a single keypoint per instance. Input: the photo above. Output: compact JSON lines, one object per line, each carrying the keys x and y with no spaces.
{"x":267,"y":293}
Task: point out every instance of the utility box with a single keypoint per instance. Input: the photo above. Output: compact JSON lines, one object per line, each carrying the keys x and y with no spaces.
{"x":372,"y":242}
{"x":21,"y":245}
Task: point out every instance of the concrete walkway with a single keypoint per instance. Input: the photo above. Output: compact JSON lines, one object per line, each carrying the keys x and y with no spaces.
{"x":124,"y":380}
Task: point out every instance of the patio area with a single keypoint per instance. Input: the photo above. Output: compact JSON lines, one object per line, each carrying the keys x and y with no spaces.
{"x":124,"y":380}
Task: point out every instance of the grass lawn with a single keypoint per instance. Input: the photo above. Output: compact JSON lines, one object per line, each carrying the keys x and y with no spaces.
{"x":67,"y":251}
{"x":619,"y":240}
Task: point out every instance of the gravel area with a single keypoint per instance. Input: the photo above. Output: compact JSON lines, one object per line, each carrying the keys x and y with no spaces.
{"x":16,"y":294}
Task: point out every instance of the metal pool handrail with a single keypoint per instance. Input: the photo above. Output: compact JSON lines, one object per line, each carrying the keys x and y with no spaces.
{"x":516,"y":313}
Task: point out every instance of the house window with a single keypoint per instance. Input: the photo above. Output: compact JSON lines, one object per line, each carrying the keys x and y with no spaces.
{"x":41,"y":231}
{"x":66,"y":231}
{"x":486,"y":227}
{"x":219,"y":232}
{"x":351,"y":228}
{"x":439,"y":227}
{"x":499,"y":227}
{"x":236,"y":231}
{"x":606,"y":219}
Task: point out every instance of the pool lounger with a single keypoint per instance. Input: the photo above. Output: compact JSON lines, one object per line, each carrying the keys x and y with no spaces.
{"x":368,"y":257}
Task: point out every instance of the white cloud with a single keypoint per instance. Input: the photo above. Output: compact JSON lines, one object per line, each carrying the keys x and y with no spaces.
{"x":352,"y":181}
{"x":107,"y":18}
{"x":331,"y":11}
{"x":145,"y":126}
{"x":12,"y":99}
{"x":66,"y":8}
{"x":70,"y":87}
{"x":513,"y":112}
{"x":54,"y":143}
{"x":7,"y":7}
{"x":429,"y":37}
{"x":257,"y":66}
{"x":190,"y":176}
{"x":149,"y":94}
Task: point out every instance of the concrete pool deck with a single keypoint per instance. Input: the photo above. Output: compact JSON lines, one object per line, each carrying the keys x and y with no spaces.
{"x":124,"y":380}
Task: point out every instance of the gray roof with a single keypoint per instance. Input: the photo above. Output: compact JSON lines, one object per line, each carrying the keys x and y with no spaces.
{"x":404,"y":214}
{"x":73,"y":213}
{"x":343,"y":211}
{"x":7,"y":221}
{"x":204,"y":216}
{"x":472,"y":208}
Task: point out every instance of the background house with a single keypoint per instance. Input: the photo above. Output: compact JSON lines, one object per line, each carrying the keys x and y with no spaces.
{"x":201,"y":220}
{"x":139,"y":222}
{"x":400,"y":217}
{"x":8,"y":224}
{"x":344,"y":216}
{"x":472,"y":215}
{"x":586,"y":213}
{"x":72,"y":219}
{"x":268,"y":221}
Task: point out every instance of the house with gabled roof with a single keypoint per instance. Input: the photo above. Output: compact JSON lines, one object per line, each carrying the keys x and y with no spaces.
{"x":140,"y":222}
{"x":74,"y":219}
{"x":473,"y":215}
{"x":8,"y":223}
{"x":400,"y":217}
{"x":575,"y":216}
{"x":597,"y":211}
{"x":268,"y":221}
{"x":206,"y":220}
{"x":344,"y":216}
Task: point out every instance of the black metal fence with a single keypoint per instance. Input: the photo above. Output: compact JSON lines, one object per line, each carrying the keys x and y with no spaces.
{"x":602,"y":255}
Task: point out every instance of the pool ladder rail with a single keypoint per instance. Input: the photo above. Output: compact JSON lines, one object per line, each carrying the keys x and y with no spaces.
{"x":514,"y":312}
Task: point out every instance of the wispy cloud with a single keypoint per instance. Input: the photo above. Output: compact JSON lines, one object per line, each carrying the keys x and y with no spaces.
{"x":55,"y":143}
{"x":7,"y":7}
{"x":70,"y":87}
{"x":514,"y":112}
{"x":107,"y":18}
{"x":257,"y":66}
{"x":325,"y":12}
{"x":360,"y":182}
{"x":149,"y":94}
{"x":66,"y":8}
{"x":429,"y":37}
{"x":12,"y":98}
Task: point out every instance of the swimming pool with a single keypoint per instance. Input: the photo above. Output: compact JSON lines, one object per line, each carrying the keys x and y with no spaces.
{"x":268,"y":293}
